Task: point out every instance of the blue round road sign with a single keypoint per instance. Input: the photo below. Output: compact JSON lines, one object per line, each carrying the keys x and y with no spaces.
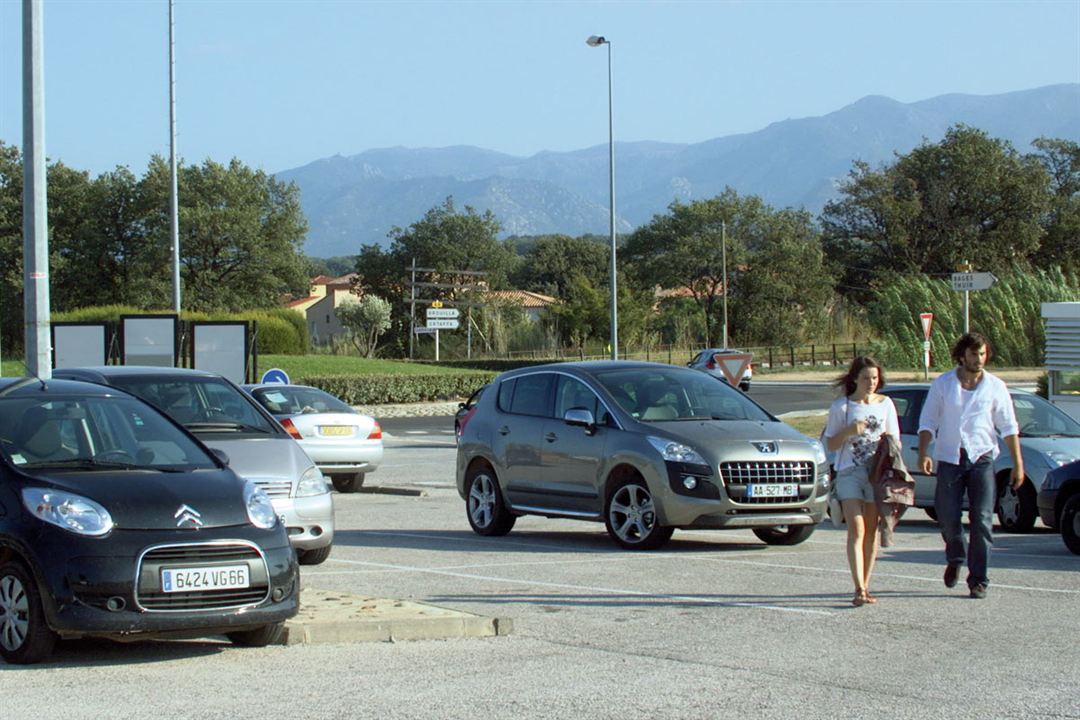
{"x":276,"y":375}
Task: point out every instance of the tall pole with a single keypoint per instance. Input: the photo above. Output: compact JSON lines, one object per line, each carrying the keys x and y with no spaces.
{"x":723,"y":262}
{"x":174,"y":210}
{"x":35,"y":217}
{"x":596,"y":41}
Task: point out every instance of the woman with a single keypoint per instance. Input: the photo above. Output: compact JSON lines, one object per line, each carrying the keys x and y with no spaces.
{"x":857,"y":420}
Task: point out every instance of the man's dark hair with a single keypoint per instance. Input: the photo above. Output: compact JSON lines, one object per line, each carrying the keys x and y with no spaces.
{"x":972,"y":341}
{"x":850,"y":379}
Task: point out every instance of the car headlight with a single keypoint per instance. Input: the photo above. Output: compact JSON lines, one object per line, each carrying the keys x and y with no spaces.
{"x":259,"y":508}
{"x":820,"y":457}
{"x":1058,"y":458}
{"x":672,"y":451}
{"x":311,"y":483}
{"x":72,"y":512}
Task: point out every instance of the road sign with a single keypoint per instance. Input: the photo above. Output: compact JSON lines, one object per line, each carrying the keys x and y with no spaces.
{"x":964,"y":281}
{"x":441,"y":324}
{"x":421,"y":330}
{"x":443,"y":313}
{"x":275,"y":376}
{"x":927,"y":319}
{"x":733,"y":366}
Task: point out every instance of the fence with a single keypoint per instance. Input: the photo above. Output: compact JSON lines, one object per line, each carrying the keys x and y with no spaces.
{"x":765,"y":357}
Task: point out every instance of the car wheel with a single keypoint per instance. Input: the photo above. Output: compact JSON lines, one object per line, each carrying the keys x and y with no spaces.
{"x":931,"y":513}
{"x":259,"y":637}
{"x":314,"y":557}
{"x":631,"y":518}
{"x":348,"y":483}
{"x":1017,"y":508}
{"x":784,"y":534}
{"x":1070,"y":524}
{"x":25,"y":637}
{"x":484,"y":505}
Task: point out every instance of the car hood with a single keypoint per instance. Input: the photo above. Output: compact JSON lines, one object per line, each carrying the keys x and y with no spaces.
{"x":1067,"y":445}
{"x":263,"y":458}
{"x":712,"y":434}
{"x":150,"y":500}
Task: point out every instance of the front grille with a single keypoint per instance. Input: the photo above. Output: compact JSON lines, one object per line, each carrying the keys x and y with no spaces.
{"x":148,"y":593}
{"x":739,"y":475}
{"x":274,"y":488}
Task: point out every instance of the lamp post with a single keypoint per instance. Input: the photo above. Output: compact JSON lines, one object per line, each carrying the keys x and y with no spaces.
{"x":597,"y":41}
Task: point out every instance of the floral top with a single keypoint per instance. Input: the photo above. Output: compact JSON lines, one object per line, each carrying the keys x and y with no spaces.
{"x":880,"y":418}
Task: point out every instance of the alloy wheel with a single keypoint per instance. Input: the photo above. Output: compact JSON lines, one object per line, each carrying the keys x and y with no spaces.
{"x":632,"y":513}
{"x":482,"y":500}
{"x":14,"y":613}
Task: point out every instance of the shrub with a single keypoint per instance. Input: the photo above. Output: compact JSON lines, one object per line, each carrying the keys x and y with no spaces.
{"x":383,"y":389}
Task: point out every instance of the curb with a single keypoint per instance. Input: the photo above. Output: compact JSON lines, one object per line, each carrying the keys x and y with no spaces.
{"x":329,"y":617}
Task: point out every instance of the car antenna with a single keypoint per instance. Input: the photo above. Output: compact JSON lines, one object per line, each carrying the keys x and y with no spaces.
{"x":23,"y":382}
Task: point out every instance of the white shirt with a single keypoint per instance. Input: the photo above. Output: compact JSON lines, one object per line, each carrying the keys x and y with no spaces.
{"x":858,"y":450}
{"x":968,"y":419}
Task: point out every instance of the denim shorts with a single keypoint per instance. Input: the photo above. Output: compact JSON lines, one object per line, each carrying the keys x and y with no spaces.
{"x":853,"y":483}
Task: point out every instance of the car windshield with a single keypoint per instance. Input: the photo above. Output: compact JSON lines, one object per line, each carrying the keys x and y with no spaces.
{"x":1038,"y":418}
{"x":289,"y":400}
{"x":202,"y":404}
{"x":657,"y":394}
{"x":94,"y":433}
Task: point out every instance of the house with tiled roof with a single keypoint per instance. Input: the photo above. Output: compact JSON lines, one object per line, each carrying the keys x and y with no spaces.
{"x":318,"y":308}
{"x":532,"y":302}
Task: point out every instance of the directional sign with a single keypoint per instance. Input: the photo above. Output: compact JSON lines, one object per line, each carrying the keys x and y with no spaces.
{"x":421,"y":330}
{"x":443,"y":313}
{"x":963,"y":281}
{"x":927,"y":319}
{"x":440,"y":324}
{"x":276,"y":376}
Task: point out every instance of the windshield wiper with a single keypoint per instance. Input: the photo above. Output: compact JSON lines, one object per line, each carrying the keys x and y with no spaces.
{"x":87,"y":464}
{"x":226,"y":425}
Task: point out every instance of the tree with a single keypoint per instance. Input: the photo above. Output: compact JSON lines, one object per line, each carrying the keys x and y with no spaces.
{"x":1061,"y":244}
{"x":365,"y":321}
{"x":550,"y":264}
{"x":11,"y":250}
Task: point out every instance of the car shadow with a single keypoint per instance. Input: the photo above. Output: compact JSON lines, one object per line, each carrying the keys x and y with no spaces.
{"x":98,"y":652}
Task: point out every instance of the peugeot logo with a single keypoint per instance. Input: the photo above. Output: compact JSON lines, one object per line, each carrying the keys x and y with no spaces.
{"x":188,"y":514}
{"x":766,"y":447}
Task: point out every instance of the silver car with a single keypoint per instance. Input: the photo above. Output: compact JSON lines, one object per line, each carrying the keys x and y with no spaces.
{"x":644,"y":448}
{"x":345,"y":444}
{"x":225,"y":418}
{"x":1048,"y":439}
{"x":709,"y":360}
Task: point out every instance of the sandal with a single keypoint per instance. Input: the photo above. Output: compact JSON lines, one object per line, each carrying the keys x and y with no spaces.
{"x":870,"y":598}
{"x":859,"y":599}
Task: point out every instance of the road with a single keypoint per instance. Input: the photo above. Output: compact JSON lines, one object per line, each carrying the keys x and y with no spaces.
{"x":715,"y":625}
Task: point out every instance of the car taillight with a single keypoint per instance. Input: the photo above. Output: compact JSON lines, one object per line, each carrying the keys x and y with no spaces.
{"x":710,"y":365}
{"x":465,"y":419}
{"x":376,"y":432}
{"x":291,"y":429}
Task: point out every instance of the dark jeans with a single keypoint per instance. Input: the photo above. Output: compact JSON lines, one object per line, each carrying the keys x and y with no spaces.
{"x":977,"y":479}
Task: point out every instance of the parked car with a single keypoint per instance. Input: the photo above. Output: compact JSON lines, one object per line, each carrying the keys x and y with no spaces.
{"x":115,"y":522}
{"x":466,"y":410}
{"x":1059,"y":503}
{"x":709,"y":360}
{"x":345,"y":444}
{"x":1048,"y":439}
{"x":223,"y":416}
{"x":643,"y":447}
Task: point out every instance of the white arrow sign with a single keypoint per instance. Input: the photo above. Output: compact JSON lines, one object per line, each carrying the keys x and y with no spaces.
{"x":443,"y":313}
{"x":440,"y":324}
{"x":973,"y":281}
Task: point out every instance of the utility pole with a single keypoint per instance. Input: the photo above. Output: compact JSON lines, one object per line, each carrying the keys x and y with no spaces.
{"x":723,"y":262}
{"x":174,"y":209}
{"x":35,"y":216}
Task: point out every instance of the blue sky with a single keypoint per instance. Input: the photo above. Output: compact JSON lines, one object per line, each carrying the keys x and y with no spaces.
{"x":280,"y":84}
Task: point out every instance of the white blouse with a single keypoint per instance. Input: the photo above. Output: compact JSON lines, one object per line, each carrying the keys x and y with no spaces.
{"x":880,"y":418}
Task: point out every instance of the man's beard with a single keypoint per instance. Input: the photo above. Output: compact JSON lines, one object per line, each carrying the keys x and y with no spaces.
{"x":973,"y":366}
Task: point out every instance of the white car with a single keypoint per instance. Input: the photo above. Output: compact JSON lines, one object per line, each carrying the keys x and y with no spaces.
{"x":344,"y":444}
{"x":708,"y":360}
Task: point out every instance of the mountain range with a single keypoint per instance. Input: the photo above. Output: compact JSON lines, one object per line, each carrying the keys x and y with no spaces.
{"x":356,"y":200}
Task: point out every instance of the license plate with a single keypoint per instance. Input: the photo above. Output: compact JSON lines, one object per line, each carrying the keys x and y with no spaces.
{"x":772,"y":490}
{"x":335,"y":429}
{"x":200,"y":579}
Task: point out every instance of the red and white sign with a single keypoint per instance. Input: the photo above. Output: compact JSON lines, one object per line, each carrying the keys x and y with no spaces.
{"x":927,"y":319}
{"x":733,"y":366}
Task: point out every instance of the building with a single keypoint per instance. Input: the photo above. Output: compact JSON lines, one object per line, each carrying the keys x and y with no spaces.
{"x":318,"y":308}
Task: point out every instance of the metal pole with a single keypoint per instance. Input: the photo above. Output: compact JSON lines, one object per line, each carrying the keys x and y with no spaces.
{"x":412,"y":308}
{"x":723,"y":255}
{"x":611,"y":190}
{"x":35,"y":216}
{"x":967,"y":312}
{"x":174,"y":209}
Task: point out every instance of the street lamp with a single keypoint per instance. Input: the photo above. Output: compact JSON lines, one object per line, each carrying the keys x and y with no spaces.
{"x":597,"y":41}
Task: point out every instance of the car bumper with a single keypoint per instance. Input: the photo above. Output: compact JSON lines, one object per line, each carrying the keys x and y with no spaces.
{"x":110,"y":587}
{"x":333,"y":458}
{"x":309,"y":520}
{"x":1045,"y":501}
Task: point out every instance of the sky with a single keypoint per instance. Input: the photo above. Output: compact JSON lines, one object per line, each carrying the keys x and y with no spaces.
{"x":279,"y":84}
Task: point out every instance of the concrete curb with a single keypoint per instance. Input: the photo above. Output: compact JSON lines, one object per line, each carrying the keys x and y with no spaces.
{"x":330,"y":617}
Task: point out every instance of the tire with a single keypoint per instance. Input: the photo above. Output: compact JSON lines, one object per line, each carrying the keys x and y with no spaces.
{"x":348,"y":483}
{"x":784,"y":534}
{"x":1017,"y":509}
{"x":314,"y":557}
{"x":485,"y":507}
{"x":25,"y":637}
{"x":931,"y":513}
{"x":630,"y":517}
{"x":1070,"y":524}
{"x":259,"y":637}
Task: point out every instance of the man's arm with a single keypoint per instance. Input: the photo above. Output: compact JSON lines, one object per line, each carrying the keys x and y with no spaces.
{"x":1013,"y":443}
{"x":928,"y":425}
{"x":926,"y":465}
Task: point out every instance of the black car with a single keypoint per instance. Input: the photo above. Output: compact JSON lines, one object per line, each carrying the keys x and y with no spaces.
{"x":116,"y":522}
{"x":1059,"y":503}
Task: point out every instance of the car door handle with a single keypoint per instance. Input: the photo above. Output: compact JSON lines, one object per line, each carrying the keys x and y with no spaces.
{"x":504,"y":430}
{"x":551,"y":437}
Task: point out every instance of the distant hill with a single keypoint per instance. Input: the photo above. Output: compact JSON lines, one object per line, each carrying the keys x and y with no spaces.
{"x":798,"y":163}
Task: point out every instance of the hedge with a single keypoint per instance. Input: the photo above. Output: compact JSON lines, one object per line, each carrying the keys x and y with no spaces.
{"x":384,"y":389}
{"x":494,"y":365}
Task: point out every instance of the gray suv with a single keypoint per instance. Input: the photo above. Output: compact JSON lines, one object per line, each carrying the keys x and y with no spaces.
{"x":645,"y":448}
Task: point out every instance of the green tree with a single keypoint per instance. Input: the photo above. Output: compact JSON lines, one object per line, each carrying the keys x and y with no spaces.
{"x":549,"y":264}
{"x":365,"y":321}
{"x":1061,"y":244}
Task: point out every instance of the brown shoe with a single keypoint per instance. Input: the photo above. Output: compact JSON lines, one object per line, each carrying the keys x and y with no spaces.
{"x":952,"y":572}
{"x":860,"y":598}
{"x":870,"y":599}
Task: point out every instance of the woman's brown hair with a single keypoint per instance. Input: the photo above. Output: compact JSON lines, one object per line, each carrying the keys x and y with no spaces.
{"x":850,"y":379}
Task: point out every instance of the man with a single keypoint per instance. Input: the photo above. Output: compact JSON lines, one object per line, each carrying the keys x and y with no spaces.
{"x":963,"y":411}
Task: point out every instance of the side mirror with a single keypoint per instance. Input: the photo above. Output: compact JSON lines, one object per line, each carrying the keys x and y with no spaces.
{"x":221,"y":455}
{"x":580,"y":417}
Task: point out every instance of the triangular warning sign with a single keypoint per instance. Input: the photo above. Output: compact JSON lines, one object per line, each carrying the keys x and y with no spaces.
{"x":733,"y":366}
{"x":927,"y":319}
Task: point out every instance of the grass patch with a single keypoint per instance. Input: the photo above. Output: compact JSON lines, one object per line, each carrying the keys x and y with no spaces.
{"x":11,"y":367}
{"x":298,"y":366}
{"x":809,"y":426}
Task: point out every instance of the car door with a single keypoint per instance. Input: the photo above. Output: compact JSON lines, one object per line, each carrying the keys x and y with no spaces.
{"x":571,"y":456}
{"x":524,"y":405}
